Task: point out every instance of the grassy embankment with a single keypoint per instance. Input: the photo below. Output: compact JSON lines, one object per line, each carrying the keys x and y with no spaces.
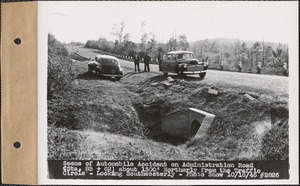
{"x":99,"y":118}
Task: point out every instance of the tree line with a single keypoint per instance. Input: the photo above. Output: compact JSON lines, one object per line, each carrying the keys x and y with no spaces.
{"x":230,"y":52}
{"x":270,"y":56}
{"x":123,"y":45}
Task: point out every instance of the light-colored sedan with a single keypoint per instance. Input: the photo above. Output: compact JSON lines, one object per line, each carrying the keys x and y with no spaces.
{"x":182,"y":63}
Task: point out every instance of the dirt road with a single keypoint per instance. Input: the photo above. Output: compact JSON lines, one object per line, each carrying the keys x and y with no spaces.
{"x":259,"y":83}
{"x":241,"y":81}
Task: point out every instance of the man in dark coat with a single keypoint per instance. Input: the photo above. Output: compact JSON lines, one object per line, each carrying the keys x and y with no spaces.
{"x":147,"y":60}
{"x":159,"y":57}
{"x":136,"y":59}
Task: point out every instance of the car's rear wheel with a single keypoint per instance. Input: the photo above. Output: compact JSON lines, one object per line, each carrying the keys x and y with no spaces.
{"x":202,"y":75}
{"x":118,"y":78}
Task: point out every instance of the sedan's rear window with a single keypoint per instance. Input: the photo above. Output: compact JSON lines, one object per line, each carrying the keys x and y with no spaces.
{"x":108,"y":61}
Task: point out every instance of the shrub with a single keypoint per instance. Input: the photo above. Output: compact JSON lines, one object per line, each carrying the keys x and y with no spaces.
{"x":56,"y":48}
{"x":60,"y":72}
{"x":64,"y":115}
{"x":60,"y":77}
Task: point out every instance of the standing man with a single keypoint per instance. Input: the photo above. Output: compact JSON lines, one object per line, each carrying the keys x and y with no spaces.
{"x":221,"y":65}
{"x":285,"y":70}
{"x":240,"y":67}
{"x":258,"y":68}
{"x":147,"y":60}
{"x":159,"y":57}
{"x":136,"y":59}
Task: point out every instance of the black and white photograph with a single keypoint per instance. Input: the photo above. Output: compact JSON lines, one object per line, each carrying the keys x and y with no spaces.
{"x":168,"y":90}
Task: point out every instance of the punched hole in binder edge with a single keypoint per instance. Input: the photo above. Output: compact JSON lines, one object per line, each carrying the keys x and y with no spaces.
{"x":17,"y":41}
{"x":17,"y":144}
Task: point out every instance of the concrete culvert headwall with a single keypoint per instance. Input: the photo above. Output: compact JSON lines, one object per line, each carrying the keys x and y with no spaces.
{"x":187,"y":123}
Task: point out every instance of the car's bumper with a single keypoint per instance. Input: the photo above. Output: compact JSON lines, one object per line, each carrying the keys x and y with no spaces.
{"x":111,"y":75}
{"x":115,"y":74}
{"x":194,"y":72}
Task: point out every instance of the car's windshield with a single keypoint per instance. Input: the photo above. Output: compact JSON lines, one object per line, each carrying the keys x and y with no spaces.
{"x":182,"y":56}
{"x":185,"y":56}
{"x":170,"y":57}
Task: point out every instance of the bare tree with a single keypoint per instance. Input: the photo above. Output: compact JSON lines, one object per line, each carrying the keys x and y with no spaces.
{"x":172,"y":44}
{"x":126,"y":37}
{"x":118,"y":30}
{"x":244,"y":51}
{"x":267,"y":54}
{"x":183,"y":43}
{"x":144,"y":36}
{"x":278,"y":54}
{"x":237,"y":49}
{"x":256,"y":49}
{"x":285,"y":54}
{"x":151,"y":44}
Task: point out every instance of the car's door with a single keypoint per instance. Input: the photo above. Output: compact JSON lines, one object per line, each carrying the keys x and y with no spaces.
{"x":169,"y":63}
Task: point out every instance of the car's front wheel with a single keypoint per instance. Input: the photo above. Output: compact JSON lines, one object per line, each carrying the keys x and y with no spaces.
{"x":180,"y":71}
{"x":202,"y":75}
{"x":166,"y":73}
{"x":118,"y":78}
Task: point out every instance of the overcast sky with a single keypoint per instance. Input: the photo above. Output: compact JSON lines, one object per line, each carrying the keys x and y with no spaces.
{"x":254,"y":21}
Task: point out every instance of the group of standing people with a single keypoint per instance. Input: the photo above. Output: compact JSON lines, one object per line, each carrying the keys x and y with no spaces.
{"x":147,"y":60}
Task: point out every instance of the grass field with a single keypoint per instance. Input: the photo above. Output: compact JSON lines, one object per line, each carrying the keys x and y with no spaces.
{"x":100,"y":118}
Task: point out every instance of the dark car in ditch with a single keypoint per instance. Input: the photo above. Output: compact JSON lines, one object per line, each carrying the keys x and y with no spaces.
{"x":106,"y":65}
{"x":182,"y":63}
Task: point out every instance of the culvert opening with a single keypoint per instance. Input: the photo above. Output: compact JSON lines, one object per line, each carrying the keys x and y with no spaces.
{"x":150,"y":115}
{"x":194,"y":128}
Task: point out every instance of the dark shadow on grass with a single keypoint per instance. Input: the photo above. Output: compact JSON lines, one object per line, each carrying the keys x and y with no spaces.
{"x":94,"y":76}
{"x":166,"y":138}
{"x":128,"y":74}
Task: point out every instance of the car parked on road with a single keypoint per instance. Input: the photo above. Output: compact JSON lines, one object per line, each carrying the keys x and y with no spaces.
{"x":182,"y":63}
{"x":106,"y":65}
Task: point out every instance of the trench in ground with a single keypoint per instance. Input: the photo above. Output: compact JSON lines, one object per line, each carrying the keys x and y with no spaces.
{"x":135,"y":109}
{"x":237,"y":117}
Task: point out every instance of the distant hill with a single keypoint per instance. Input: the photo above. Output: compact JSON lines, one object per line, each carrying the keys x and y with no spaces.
{"x":231,"y":41}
